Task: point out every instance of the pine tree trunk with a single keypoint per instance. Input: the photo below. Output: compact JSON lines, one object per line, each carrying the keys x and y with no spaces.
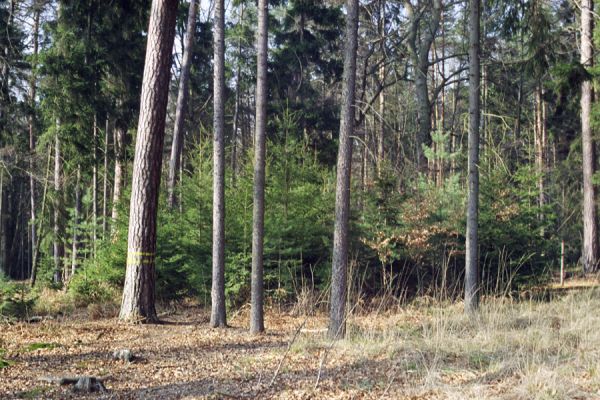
{"x":381,"y":135}
{"x":105,"y":181}
{"x":138,"y":304}
{"x":472,"y":254}
{"x":258,"y":214}
{"x":540,"y":142}
{"x":32,"y":91}
{"x":217,"y":316}
{"x":119,"y":147}
{"x":3,"y":258}
{"x":182,"y":99}
{"x":58,"y":244}
{"x":339,"y":273}
{"x":419,"y":45}
{"x":236,"y":114}
{"x":590,"y":240}
{"x":75,"y":248}
{"x":36,"y":249}
{"x":95,"y":189}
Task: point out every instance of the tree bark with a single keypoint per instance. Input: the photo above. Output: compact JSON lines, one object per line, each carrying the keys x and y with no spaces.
{"x":3,"y":258}
{"x":75,"y":248}
{"x":381,"y":135}
{"x":217,"y":316}
{"x":94,"y":188}
{"x":590,"y":229}
{"x":472,"y":254}
{"x":419,"y":45}
{"x":182,"y":99}
{"x":32,"y":92}
{"x":58,"y":244}
{"x":36,"y":249}
{"x":236,"y":113}
{"x":258,"y":213}
{"x":138,"y":304}
{"x":105,"y":181}
{"x":339,"y":273}
{"x":120,"y":133}
{"x":540,"y":142}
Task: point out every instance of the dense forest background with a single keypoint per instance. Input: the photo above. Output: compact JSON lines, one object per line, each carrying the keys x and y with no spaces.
{"x":70,"y":83}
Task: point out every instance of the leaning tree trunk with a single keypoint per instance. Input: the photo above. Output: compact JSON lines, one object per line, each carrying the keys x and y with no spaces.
{"x":472,"y":254}
{"x":217,"y":316}
{"x":339,"y":273}
{"x":590,"y":240}
{"x":138,"y":293}
{"x":257,"y":324}
{"x":182,"y":98}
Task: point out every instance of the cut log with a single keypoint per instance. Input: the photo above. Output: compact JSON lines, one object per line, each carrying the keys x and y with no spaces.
{"x":84,"y":384}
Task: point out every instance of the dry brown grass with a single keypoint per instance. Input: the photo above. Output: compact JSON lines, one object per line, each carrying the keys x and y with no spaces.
{"x":426,"y":350}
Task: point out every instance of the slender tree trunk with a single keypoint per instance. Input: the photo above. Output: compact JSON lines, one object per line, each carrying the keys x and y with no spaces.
{"x":32,"y":92}
{"x":217,"y":316}
{"x":562,"y":242}
{"x":453,"y":145}
{"x":540,"y":142}
{"x":381,"y":135}
{"x":423,"y":116}
{"x":36,"y":249}
{"x":419,"y":45}
{"x":182,"y":98}
{"x":257,"y":324}
{"x":236,"y":114}
{"x":75,"y":248}
{"x":119,"y":147}
{"x":138,"y":304}
{"x":339,"y":273}
{"x":472,"y":254}
{"x":590,"y":228}
{"x":95,"y":188}
{"x":58,"y":245}
{"x":442,"y":115}
{"x":105,"y":181}
{"x":3,"y":258}
{"x":520,"y":84}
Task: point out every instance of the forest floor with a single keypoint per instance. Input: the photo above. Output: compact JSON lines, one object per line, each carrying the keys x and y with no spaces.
{"x":425,"y":350}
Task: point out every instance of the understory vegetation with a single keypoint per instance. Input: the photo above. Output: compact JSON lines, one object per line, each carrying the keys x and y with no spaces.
{"x":407,"y":238}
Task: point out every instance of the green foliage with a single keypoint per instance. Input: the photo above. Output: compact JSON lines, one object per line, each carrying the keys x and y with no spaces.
{"x":237,"y":278}
{"x":3,"y":361}
{"x":35,"y":393}
{"x":306,"y":58}
{"x":439,"y":148}
{"x":16,"y":299}
{"x":37,"y":346}
{"x":299,"y":197}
